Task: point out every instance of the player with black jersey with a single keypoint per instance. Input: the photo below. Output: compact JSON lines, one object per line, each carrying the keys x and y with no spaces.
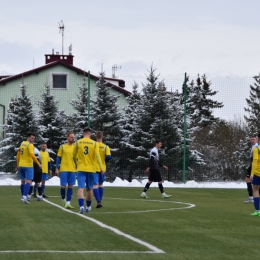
{"x":37,"y":176}
{"x":155,"y":175}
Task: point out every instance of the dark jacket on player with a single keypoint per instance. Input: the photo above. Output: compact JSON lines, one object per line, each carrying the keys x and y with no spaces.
{"x":153,"y":163}
{"x":35,"y":165}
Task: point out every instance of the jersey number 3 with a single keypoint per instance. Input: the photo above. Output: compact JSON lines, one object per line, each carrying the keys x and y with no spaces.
{"x":85,"y":150}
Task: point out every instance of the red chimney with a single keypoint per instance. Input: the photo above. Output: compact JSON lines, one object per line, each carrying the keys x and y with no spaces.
{"x":58,"y":57}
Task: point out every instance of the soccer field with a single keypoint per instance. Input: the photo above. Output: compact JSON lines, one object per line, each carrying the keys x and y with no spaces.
{"x":192,"y":224}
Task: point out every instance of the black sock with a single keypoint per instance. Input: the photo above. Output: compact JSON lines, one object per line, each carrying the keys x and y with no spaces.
{"x":146,"y":187}
{"x":30,"y":190}
{"x":161,"y":187}
{"x":250,"y":189}
{"x":40,"y":190}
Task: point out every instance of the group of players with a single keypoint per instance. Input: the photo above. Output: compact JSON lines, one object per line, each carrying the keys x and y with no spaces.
{"x":85,"y":159}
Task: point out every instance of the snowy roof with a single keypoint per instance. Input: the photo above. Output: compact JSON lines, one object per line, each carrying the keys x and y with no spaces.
{"x":4,"y":76}
{"x":51,"y":64}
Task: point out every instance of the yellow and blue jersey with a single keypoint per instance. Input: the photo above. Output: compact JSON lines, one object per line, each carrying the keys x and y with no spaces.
{"x":87,"y":153}
{"x":256,"y":162}
{"x":104,"y":152}
{"x":26,"y":151}
{"x":65,"y":158}
{"x":45,"y":159}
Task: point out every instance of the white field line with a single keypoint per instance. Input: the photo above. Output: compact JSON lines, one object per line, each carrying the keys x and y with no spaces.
{"x":79,"y":252}
{"x":189,"y":206}
{"x":118,"y":232}
{"x":154,"y":249}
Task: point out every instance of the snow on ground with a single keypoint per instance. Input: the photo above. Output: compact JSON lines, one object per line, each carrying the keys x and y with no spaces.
{"x":55,"y":181}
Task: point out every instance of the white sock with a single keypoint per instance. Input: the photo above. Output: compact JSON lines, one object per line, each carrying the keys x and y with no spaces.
{"x":68,"y":203}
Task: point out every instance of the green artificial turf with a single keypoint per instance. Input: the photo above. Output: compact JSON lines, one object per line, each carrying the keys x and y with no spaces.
{"x":219,"y":226}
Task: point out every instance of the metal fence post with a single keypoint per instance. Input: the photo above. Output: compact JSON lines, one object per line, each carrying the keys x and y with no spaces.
{"x":89,"y":99}
{"x":184,"y":129}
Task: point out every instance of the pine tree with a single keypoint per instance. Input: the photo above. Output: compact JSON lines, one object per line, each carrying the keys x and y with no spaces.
{"x":200,"y":103}
{"x":133,"y":101}
{"x":253,"y":108}
{"x":51,"y":120}
{"x":154,"y":119}
{"x":127,"y":162}
{"x":21,"y":119}
{"x":79,"y":119}
{"x":200,"y":108}
{"x":252,"y":125}
{"x":106,"y":117}
{"x":8,"y":144}
{"x":140,"y":141}
{"x":242,"y":154}
{"x":166,"y":128}
{"x":105,"y":114}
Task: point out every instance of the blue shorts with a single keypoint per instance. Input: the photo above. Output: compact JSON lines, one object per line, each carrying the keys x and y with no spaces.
{"x":99,"y":178}
{"x":45,"y":176}
{"x":26,"y":173}
{"x":67,"y":178}
{"x":256,"y":180}
{"x":85,"y":179}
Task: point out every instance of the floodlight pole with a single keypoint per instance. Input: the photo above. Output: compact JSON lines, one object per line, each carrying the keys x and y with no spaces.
{"x":184,"y":128}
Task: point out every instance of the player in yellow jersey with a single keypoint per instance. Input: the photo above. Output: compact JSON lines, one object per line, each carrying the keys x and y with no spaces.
{"x":25,"y":158}
{"x":66,"y":169}
{"x":85,"y":154}
{"x":255,"y":177}
{"x":99,"y":178}
{"x":46,"y":166}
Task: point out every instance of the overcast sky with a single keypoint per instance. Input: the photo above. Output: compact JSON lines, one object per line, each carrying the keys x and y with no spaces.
{"x":215,"y":37}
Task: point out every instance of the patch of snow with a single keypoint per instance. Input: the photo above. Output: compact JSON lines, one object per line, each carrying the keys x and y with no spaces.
{"x":55,"y":181}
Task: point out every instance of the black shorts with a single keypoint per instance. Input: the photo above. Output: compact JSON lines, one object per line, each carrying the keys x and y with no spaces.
{"x":248,"y":171}
{"x":37,"y":175}
{"x":155,"y":175}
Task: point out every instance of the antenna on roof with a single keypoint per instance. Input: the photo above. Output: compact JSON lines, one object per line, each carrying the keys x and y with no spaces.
{"x":61,"y":27}
{"x":114,"y":68}
{"x":70,"y":49}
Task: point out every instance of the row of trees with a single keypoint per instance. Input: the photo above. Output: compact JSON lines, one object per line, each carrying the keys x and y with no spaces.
{"x":216,"y":149}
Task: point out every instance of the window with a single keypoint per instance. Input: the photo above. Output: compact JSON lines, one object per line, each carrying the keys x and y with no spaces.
{"x":59,"y":81}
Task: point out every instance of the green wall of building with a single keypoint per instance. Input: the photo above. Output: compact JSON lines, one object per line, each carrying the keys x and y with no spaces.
{"x":35,"y":83}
